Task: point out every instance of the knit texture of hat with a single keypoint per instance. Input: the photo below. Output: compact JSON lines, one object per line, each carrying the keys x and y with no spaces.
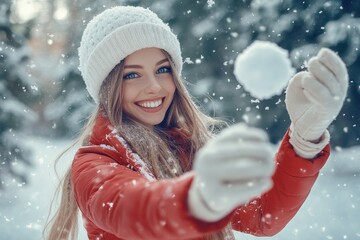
{"x":116,"y":33}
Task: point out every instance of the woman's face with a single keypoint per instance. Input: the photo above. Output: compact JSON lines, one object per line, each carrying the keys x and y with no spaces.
{"x":148,"y":86}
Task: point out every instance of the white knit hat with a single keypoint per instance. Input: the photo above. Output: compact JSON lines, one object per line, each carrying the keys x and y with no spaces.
{"x":117,"y":32}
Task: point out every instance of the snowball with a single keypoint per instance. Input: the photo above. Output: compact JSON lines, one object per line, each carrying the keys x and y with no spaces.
{"x":263,"y":69}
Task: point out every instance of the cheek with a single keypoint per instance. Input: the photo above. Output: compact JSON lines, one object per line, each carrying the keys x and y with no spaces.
{"x":130,"y":90}
{"x":170,"y":87}
{"x":128,"y":97}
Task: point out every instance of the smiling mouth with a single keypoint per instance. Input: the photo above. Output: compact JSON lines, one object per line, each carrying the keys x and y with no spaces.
{"x":151,"y":104}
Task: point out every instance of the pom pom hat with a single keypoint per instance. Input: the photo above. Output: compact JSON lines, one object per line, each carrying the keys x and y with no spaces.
{"x":116,"y":33}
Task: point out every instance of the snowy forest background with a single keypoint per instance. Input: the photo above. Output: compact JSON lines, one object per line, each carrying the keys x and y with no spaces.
{"x":43,"y":101}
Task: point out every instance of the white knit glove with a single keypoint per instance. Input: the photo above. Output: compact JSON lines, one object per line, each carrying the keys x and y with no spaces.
{"x":231,"y":169}
{"x":313,"y":100}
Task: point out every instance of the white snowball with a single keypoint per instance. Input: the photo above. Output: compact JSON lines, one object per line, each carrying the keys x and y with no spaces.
{"x":263,"y":69}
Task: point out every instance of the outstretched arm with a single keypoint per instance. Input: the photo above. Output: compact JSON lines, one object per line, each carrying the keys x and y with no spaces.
{"x":293,"y":180}
{"x":125,"y":204}
{"x":313,"y":100}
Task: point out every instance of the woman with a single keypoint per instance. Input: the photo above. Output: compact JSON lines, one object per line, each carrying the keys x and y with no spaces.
{"x":151,"y":166}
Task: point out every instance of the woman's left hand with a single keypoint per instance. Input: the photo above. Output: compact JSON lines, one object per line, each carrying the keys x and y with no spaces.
{"x":314,"y":98}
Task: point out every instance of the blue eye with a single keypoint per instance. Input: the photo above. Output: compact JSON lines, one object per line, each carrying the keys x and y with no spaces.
{"x":131,"y":75}
{"x":164,"y":70}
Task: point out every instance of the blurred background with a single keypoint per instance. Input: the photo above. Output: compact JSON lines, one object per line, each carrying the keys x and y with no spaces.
{"x":42,"y":93}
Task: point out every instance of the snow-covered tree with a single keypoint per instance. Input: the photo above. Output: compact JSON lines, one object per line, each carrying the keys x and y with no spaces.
{"x":16,"y":91}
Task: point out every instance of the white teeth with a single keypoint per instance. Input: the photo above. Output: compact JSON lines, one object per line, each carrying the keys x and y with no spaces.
{"x":153,"y":104}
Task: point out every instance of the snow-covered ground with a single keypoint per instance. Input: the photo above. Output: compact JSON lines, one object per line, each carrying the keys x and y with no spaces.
{"x":331,"y":212}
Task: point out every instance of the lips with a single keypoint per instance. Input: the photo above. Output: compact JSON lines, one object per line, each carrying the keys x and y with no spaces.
{"x":151,"y":105}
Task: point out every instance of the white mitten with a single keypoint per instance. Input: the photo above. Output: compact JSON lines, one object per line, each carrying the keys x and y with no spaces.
{"x":231,"y":169}
{"x":313,"y":100}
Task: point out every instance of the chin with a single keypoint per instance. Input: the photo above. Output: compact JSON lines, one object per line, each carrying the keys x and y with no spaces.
{"x":151,"y":122}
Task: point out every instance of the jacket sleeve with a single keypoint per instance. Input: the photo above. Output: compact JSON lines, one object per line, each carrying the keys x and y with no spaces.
{"x":292,"y":182}
{"x":126,"y":204}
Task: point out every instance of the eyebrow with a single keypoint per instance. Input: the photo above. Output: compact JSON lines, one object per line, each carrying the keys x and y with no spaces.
{"x":139,"y":66}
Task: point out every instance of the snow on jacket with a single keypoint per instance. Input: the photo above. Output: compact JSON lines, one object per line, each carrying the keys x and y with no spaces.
{"x":120,"y":198}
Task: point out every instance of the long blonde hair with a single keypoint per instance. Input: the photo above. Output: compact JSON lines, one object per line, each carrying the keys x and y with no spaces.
{"x":182,"y":114}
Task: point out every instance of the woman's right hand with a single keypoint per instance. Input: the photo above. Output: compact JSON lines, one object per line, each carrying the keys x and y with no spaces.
{"x":231,"y":169}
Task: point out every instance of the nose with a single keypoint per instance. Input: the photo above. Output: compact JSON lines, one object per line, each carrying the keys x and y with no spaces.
{"x":152,"y":84}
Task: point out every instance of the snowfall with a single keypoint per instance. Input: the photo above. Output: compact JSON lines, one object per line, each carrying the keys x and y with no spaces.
{"x":331,"y":211}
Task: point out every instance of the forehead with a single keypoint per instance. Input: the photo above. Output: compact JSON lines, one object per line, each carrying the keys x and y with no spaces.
{"x":145,"y":55}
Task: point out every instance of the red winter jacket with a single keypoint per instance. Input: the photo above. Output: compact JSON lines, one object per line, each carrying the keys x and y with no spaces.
{"x":120,"y":199}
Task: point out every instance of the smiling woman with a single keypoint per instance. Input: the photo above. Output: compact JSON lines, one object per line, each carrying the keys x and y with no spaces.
{"x":153,"y":166}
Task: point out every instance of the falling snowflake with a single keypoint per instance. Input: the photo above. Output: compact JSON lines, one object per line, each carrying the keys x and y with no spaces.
{"x":210,"y":3}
